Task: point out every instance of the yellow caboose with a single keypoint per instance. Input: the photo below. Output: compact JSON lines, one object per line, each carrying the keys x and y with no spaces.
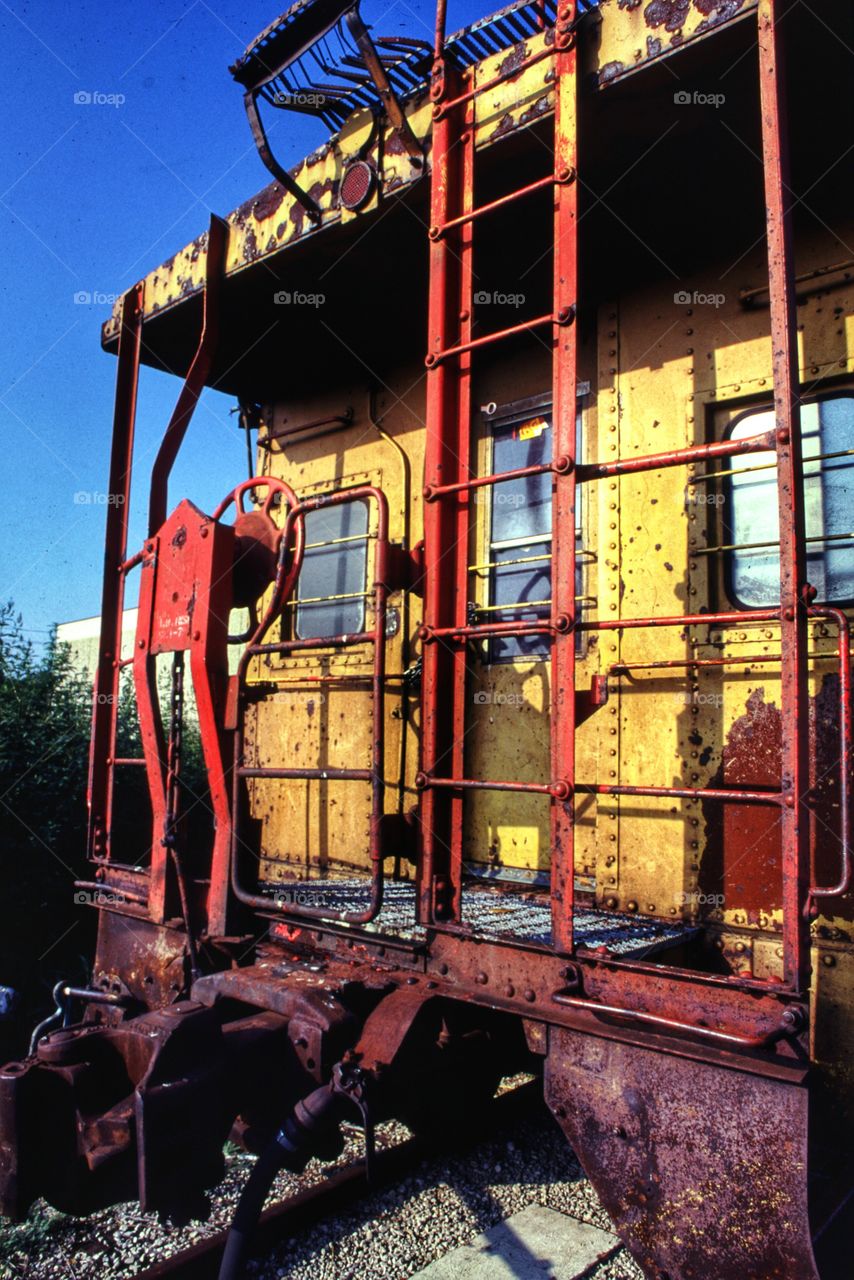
{"x":541,"y":728}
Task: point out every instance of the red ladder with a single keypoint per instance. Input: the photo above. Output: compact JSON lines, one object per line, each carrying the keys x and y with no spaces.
{"x":449,"y":482}
{"x":448,"y":477}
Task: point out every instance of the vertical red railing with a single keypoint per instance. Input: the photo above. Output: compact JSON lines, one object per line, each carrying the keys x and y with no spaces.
{"x":564,"y":410}
{"x":106,"y":696}
{"x":793,"y":582}
{"x":446,"y":524}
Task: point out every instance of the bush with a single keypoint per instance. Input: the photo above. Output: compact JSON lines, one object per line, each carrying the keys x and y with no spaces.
{"x":44,"y":736}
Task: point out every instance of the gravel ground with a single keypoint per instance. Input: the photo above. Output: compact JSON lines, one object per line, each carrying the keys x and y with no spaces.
{"x":391,"y":1236}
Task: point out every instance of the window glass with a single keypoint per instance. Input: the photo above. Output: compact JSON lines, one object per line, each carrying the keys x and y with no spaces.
{"x":520,"y":535}
{"x":751,"y":519}
{"x":334,"y":565}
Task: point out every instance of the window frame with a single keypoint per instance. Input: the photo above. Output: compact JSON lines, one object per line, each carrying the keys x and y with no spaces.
{"x":502,"y":417}
{"x":359,"y":597}
{"x":725,"y":523}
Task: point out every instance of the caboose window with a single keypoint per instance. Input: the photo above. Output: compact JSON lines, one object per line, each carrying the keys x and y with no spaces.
{"x":520,"y":525}
{"x":331,"y":600}
{"x":521,"y":534}
{"x":751,"y":526}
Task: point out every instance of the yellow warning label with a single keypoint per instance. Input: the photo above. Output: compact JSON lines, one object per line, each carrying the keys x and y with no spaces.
{"x":530,"y":430}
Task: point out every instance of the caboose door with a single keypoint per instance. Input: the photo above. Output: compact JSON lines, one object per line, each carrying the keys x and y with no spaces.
{"x":326,"y":721}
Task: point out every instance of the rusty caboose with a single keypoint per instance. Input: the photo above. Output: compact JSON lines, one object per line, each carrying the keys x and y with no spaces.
{"x":537,"y":746}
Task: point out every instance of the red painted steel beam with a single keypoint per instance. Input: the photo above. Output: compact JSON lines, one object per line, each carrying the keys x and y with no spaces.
{"x":621,"y":466}
{"x":678,"y":457}
{"x":564,"y":410}
{"x":447,"y":461}
{"x":432,"y":492}
{"x":500,"y":203}
{"x":793,"y":580}
{"x":474,"y":344}
{"x":682,"y":793}
{"x":106,"y":700}
{"x":481,"y":631}
{"x":735,"y":618}
{"x":424,"y":781}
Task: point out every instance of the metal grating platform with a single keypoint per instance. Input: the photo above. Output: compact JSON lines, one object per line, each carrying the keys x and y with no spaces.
{"x":488,"y":912}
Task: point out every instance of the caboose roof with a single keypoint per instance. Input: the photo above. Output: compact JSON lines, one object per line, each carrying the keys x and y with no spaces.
{"x":273,"y":245}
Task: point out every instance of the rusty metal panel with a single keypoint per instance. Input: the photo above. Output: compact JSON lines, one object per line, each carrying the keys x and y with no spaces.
{"x":697,"y":1165}
{"x":636,"y":32}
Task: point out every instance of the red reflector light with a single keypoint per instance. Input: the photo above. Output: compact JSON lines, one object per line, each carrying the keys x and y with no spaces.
{"x":357,"y":185}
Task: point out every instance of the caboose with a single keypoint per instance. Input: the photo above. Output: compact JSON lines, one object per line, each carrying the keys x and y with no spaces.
{"x":532,"y":749}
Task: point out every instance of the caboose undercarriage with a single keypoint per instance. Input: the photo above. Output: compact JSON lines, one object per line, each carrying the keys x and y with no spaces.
{"x":640,"y":886}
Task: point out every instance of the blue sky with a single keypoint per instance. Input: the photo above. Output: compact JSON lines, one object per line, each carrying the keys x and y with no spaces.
{"x":92,"y":197}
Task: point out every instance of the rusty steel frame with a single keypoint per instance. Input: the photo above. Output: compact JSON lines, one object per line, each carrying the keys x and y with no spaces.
{"x":376,"y":774}
{"x":565,"y":268}
{"x":447,"y":454}
{"x":794,"y":588}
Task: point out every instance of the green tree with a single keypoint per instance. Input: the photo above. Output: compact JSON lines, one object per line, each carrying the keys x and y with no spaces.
{"x":44,"y":731}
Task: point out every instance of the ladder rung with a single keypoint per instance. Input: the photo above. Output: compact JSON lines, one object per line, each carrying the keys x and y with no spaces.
{"x":315,"y":642}
{"x":558,"y":789}
{"x":678,"y":457}
{"x":685,"y":793}
{"x":331,"y":775}
{"x":537,"y":323}
{"x":561,"y":790}
{"x":539,"y":185}
{"x":433,"y":491}
{"x":441,"y":109}
{"x":735,"y":619}
{"x":483,"y":630}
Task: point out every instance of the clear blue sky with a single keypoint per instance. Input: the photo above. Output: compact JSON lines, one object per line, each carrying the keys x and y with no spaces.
{"x":92,"y":197}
